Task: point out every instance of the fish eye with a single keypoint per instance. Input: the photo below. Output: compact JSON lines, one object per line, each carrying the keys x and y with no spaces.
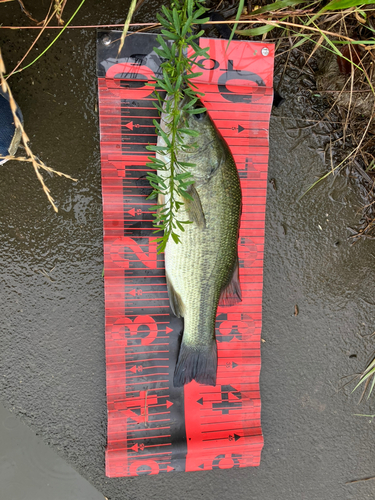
{"x":199,"y":116}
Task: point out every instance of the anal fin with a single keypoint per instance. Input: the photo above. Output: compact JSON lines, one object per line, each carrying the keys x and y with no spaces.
{"x":231,"y":294}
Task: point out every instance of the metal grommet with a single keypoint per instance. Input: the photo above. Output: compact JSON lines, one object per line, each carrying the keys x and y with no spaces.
{"x":265,"y":51}
{"x":106,"y":40}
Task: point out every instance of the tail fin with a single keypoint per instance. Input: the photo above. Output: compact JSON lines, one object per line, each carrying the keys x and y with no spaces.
{"x":196,"y":363}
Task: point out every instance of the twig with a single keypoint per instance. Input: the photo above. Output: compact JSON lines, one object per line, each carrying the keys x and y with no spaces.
{"x":360,"y":480}
{"x":126,"y":25}
{"x":59,"y":9}
{"x":227,"y":21}
{"x":46,"y":21}
{"x":37,"y":164}
{"x":26,"y":12}
{"x":54,"y":40}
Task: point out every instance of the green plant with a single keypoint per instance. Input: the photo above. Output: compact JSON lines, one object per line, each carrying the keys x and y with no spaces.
{"x":176,"y":82}
{"x":57,"y":11}
{"x":367,"y":377}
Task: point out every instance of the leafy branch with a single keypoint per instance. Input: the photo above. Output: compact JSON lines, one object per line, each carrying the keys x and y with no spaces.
{"x":171,"y":182}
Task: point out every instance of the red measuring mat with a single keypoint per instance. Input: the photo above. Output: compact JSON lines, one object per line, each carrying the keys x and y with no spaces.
{"x":152,"y":426}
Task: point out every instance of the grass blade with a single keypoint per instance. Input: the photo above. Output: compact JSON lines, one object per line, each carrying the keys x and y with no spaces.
{"x":344,"y":4}
{"x":257,"y":31}
{"x":53,"y":41}
{"x":126,"y":26}
{"x":238,"y":15}
{"x":280,"y":4}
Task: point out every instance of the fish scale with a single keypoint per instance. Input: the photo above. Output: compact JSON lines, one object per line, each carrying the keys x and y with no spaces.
{"x":202,"y":264}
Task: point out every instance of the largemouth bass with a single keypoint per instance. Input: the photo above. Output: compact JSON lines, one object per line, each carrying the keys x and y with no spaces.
{"x":203,"y":267}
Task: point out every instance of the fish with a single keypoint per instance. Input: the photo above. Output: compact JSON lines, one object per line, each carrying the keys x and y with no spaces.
{"x":203,"y":268}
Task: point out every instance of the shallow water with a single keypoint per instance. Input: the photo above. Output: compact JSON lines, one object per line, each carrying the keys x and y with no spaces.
{"x":31,"y":470}
{"x":52,"y":351}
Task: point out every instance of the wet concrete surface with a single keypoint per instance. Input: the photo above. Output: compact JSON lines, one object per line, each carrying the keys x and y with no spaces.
{"x":31,"y":470}
{"x":52,"y":370}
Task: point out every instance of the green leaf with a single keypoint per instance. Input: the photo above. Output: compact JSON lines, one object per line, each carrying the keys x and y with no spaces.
{"x":180,"y":226}
{"x":200,"y":33}
{"x":175,"y":237}
{"x":185,"y":184}
{"x":281,"y":4}
{"x":156,"y":161}
{"x":190,"y":103}
{"x":186,"y":164}
{"x":161,"y":149}
{"x":186,"y":28}
{"x":152,"y":196}
{"x":165,"y":47}
{"x":257,"y":31}
{"x":184,"y":175}
{"x":190,"y":6}
{"x":168,"y":85}
{"x":193,"y":75}
{"x":176,"y":21}
{"x":165,"y":137}
{"x":156,"y":124}
{"x":160,"y":53}
{"x":151,"y":177}
{"x":304,"y":38}
{"x":185,"y":194}
{"x":198,"y":13}
{"x":344,"y":4}
{"x":188,"y":131}
{"x":178,"y":81}
{"x":163,"y":86}
{"x":239,"y":12}
{"x":198,"y":50}
{"x":164,"y":22}
{"x":363,"y":378}
{"x":371,"y":387}
{"x":196,"y":111}
{"x":170,"y":35}
{"x":167,"y":13}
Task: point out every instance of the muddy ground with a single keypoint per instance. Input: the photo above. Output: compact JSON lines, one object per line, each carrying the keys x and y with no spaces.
{"x":52,"y":370}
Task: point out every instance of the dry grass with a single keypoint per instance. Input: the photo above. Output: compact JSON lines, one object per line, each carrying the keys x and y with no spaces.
{"x":37,"y":164}
{"x":343,"y":44}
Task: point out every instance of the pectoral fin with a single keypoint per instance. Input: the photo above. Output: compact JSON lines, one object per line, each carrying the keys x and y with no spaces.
{"x":194,"y":208}
{"x":175,"y":300}
{"x":232,"y":292}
